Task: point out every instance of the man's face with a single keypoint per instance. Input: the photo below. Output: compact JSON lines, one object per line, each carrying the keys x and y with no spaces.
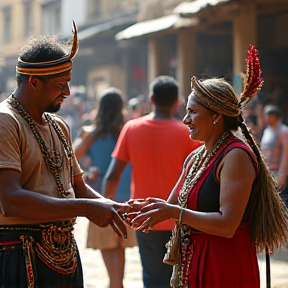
{"x":54,"y":91}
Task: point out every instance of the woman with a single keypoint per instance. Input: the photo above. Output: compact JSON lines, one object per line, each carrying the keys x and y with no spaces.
{"x":225,"y":198}
{"x":98,"y":145}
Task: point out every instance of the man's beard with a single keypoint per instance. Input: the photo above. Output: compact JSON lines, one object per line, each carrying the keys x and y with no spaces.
{"x":53,"y":108}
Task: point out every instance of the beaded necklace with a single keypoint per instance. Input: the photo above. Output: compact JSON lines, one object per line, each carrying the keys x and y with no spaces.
{"x":197,"y":169}
{"x":57,"y":156}
{"x":54,"y":165}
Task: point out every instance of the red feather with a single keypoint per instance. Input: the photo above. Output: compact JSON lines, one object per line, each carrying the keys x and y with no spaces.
{"x":252,"y":82}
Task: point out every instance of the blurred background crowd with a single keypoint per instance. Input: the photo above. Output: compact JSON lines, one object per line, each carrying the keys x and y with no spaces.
{"x":128,"y":43}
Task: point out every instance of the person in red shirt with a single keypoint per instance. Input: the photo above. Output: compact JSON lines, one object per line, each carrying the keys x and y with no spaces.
{"x":157,"y":145}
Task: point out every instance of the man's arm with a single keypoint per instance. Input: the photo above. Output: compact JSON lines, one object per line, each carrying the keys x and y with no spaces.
{"x":18,"y":202}
{"x":112,"y":177}
{"x":83,"y":190}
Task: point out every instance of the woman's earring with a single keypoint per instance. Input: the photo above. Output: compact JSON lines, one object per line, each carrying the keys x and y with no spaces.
{"x":214,"y":122}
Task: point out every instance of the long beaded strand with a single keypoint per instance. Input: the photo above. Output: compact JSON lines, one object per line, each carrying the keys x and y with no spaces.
{"x":195,"y":173}
{"x":54,"y":166}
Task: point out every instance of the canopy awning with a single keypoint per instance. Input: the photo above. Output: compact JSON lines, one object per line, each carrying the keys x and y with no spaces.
{"x":96,"y":29}
{"x":155,"y":25}
{"x":193,"y":7}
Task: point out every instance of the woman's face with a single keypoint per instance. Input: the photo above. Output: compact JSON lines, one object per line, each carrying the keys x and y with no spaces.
{"x":198,"y":119}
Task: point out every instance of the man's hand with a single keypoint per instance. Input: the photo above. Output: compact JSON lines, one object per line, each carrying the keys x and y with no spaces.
{"x":103,"y":212}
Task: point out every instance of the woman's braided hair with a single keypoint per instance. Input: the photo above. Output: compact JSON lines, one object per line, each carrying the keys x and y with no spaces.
{"x":267,"y":212}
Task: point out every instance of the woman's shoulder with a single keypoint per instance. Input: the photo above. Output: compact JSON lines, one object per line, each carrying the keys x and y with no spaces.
{"x":237,"y":150}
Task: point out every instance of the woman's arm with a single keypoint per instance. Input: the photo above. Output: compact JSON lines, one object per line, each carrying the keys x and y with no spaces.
{"x":236,"y":180}
{"x":83,"y":143}
{"x":112,"y":177}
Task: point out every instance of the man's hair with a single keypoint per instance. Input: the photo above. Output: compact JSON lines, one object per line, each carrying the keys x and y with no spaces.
{"x":165,"y":90}
{"x":41,"y":49}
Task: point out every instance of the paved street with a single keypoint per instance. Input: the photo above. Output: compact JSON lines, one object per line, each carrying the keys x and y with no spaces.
{"x":95,"y":274}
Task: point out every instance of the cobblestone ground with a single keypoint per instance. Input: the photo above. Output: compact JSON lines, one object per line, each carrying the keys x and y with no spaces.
{"x":95,"y":275}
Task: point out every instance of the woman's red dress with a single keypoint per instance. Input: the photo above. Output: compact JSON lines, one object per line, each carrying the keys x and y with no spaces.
{"x":219,"y":262}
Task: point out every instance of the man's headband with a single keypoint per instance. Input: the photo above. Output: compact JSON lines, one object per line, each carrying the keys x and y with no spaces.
{"x":252,"y":84}
{"x":50,"y":67}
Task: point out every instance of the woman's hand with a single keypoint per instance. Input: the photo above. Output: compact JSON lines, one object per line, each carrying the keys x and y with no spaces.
{"x":155,"y":211}
{"x":136,"y":205}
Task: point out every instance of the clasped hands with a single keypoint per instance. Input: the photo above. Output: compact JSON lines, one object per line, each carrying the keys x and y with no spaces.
{"x":140,"y":214}
{"x":145,"y":213}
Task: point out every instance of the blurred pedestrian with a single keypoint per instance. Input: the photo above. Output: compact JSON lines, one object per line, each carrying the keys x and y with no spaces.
{"x":274,"y":146}
{"x":98,"y":143}
{"x":156,"y":146}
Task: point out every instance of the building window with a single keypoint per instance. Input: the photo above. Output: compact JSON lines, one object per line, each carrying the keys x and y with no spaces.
{"x":7,"y":19}
{"x":51,"y":22}
{"x":28,"y":17}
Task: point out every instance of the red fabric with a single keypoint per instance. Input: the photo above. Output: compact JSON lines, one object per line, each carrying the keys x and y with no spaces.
{"x":228,"y":145}
{"x":156,"y":150}
{"x":219,"y":262}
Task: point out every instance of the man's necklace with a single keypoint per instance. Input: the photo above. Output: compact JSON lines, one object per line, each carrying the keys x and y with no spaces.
{"x":54,"y":165}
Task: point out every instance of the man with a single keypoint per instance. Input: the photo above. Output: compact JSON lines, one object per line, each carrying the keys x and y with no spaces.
{"x":274,"y":146}
{"x":42,"y":190}
{"x":156,"y":145}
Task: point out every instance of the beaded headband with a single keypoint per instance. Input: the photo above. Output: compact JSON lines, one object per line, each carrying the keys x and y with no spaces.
{"x":252,"y":84}
{"x":50,"y":67}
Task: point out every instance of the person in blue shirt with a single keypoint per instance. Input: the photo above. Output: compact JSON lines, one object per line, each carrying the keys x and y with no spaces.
{"x":97,"y":144}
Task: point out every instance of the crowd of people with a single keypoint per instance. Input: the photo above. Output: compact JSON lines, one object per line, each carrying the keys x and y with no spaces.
{"x":204,"y":197}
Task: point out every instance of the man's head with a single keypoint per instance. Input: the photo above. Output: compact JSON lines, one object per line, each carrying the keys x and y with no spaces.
{"x":272,"y":114}
{"x":44,"y":49}
{"x":164,"y":90}
{"x":45,"y":56}
{"x":43,"y":70}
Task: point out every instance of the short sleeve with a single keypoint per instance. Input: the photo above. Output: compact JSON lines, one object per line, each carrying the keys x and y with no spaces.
{"x":121,"y":150}
{"x":9,"y":143}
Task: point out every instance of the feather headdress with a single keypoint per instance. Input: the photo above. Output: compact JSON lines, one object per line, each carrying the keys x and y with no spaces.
{"x":74,"y":48}
{"x":53,"y":67}
{"x":252,"y":82}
